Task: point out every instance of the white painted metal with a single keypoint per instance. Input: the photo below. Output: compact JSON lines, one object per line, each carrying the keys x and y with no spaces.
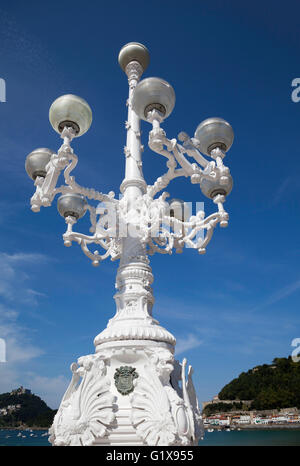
{"x":162,"y":408}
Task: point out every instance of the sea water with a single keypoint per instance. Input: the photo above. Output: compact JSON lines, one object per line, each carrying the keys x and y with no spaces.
{"x":252,"y":438}
{"x":24,"y":437}
{"x":216,"y":438}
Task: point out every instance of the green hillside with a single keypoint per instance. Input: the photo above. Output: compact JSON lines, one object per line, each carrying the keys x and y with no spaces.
{"x":33,"y":411}
{"x":269,"y":386}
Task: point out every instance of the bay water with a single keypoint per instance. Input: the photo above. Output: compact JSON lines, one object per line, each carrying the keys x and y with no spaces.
{"x":288,"y":437}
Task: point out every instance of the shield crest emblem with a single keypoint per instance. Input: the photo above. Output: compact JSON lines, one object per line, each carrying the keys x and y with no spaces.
{"x":124,"y":377}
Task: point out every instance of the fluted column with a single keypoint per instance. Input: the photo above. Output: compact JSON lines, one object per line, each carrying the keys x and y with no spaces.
{"x":134,"y":298}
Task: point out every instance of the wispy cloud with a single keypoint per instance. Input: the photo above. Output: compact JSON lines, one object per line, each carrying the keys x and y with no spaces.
{"x":22,"y":257}
{"x":20,"y":354}
{"x":187,"y":343}
{"x":16,"y":293}
{"x":237,"y":328}
{"x":289,"y":184}
{"x":19,"y":349}
{"x":279,"y":295}
{"x":13,"y":277}
{"x":50,"y":389}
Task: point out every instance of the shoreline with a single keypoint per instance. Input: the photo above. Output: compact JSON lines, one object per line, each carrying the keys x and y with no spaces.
{"x":255,"y":427}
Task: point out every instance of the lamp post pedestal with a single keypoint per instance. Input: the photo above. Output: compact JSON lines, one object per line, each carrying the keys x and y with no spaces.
{"x":133,"y":391}
{"x":128,"y":393}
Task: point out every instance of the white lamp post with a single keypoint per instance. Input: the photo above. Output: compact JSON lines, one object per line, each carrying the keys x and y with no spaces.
{"x":132,"y":391}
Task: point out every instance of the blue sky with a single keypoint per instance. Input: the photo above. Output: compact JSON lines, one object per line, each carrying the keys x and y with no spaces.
{"x":235,"y":307}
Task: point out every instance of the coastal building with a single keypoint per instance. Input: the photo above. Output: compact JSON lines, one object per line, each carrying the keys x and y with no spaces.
{"x":260,"y":420}
{"x":294,"y":418}
{"x":243,"y":418}
{"x":20,"y":391}
{"x":279,"y":419}
{"x":235,"y":419}
{"x":12,"y":408}
{"x":224,"y":421}
{"x":289,"y":411}
{"x":212,"y":420}
{"x":9,"y":409}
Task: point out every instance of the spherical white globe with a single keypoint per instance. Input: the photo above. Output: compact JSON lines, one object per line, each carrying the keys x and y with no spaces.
{"x":153,"y":93}
{"x":70,"y":110}
{"x":36,"y":161}
{"x":212,"y":133}
{"x":71,"y":204}
{"x":134,"y":51}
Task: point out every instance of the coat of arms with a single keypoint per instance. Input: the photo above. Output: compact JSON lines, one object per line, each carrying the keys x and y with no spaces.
{"x":124,"y":377}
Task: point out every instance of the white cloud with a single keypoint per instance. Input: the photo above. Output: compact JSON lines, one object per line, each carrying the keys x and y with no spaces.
{"x":20,"y":257}
{"x":20,"y":353}
{"x":13,"y":278}
{"x":9,"y":378}
{"x":187,"y":343}
{"x":20,"y":350}
{"x":50,"y":389}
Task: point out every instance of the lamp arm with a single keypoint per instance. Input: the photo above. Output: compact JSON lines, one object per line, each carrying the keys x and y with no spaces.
{"x":66,"y":160}
{"x":175,"y":153}
{"x":90,"y":193}
{"x":101,"y":238}
{"x":182,"y":233}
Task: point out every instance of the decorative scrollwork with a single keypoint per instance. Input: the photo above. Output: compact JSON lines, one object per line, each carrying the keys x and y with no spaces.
{"x":151,"y":411}
{"x":86,"y":411}
{"x":148,"y":216}
{"x":162,"y":413}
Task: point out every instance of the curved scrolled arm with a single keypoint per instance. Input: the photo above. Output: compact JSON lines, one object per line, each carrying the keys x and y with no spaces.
{"x":148,"y":214}
{"x":178,"y":164}
{"x":212,"y":176}
{"x":66,"y":160}
{"x":47,"y":189}
{"x":195,"y":233}
{"x":103,"y":238}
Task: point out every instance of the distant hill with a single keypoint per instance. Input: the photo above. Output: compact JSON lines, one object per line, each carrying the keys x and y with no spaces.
{"x":24,"y":409}
{"x":270,"y":386}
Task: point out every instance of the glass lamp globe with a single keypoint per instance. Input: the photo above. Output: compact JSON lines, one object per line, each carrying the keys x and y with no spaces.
{"x":36,"y":161}
{"x":212,"y":133}
{"x":73,"y":205}
{"x":153,"y":93}
{"x":70,"y":110}
{"x":134,"y":51}
{"x":211,"y":187}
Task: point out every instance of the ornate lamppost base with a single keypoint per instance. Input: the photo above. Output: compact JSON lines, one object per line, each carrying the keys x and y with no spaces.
{"x":130,"y":392}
